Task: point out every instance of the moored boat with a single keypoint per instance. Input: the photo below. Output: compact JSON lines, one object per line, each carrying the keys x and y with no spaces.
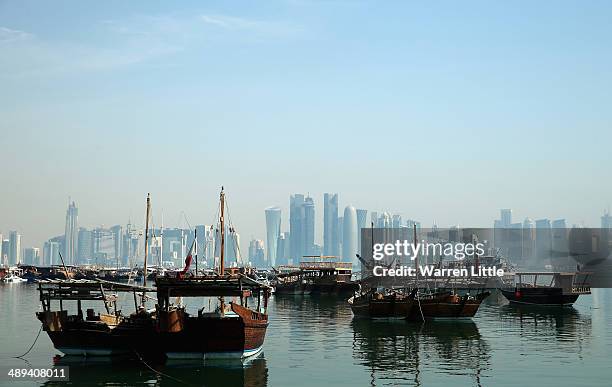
{"x":382,"y":304}
{"x":547,"y":288}
{"x":14,"y":278}
{"x":169,"y":330}
{"x":320,"y":275}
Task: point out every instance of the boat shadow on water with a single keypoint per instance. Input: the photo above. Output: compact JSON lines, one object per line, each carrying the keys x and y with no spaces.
{"x":252,"y":372}
{"x":541,"y":322}
{"x":399,"y":351}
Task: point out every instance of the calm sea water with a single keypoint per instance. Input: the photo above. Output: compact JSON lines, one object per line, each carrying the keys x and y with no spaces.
{"x":316,"y":342}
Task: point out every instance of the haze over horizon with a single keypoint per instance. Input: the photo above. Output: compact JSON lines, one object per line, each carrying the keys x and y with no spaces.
{"x":440,"y":112}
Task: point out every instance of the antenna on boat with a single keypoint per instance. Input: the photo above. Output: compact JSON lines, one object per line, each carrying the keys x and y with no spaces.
{"x":144,"y":276}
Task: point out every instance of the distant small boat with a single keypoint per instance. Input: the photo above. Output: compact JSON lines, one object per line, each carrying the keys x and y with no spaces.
{"x":321,"y":274}
{"x":12,"y":278}
{"x":382,"y":304}
{"x":562,"y":289}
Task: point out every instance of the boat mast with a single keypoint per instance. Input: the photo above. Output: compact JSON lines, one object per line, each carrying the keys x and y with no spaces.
{"x":146,"y":252}
{"x":416,"y":256}
{"x":222,"y":220}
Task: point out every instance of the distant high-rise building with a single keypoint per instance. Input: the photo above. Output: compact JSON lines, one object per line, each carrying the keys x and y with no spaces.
{"x":606,"y":220}
{"x":104,"y":247}
{"x":505,"y":217}
{"x":131,"y":245}
{"x":71,"y":234}
{"x":560,"y":241}
{"x":273,"y":227}
{"x":340,"y":231}
{"x":256,"y":253}
{"x":206,"y":244}
{"x":297,"y":227}
{"x":362,"y":220}
{"x":232,"y":254}
{"x":396,"y":221}
{"x":175,"y":244}
{"x":85,"y":246}
{"x":31,"y":256}
{"x":51,"y":251}
{"x":2,"y":252}
{"x":349,"y":234}
{"x":528,"y":241}
{"x":543,"y":243}
{"x":283,"y":249}
{"x":384,"y":221}
{"x":117,"y":232}
{"x":14,"y":256}
{"x":309,"y":226}
{"x":331,"y":241}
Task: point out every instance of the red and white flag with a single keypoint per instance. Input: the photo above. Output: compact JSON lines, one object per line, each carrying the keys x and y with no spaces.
{"x":189,"y":258}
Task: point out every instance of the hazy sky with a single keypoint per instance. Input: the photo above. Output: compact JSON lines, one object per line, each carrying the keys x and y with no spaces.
{"x":439,"y":111}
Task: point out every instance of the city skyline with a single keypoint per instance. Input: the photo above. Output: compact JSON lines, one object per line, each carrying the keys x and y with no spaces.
{"x":115,"y":243}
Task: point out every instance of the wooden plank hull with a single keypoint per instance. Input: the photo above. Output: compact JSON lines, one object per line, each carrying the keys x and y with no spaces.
{"x":539,"y":296}
{"x":295,"y":288}
{"x":446,"y":306}
{"x":335,"y":288}
{"x":240,"y":335}
{"x":385,"y":308}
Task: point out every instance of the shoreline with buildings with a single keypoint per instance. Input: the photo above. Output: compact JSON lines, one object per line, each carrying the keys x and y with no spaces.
{"x":123,"y":246}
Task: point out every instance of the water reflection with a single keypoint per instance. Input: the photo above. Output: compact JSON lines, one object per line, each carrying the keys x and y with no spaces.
{"x":399,"y":352}
{"x":117,"y":372}
{"x":566,"y":326}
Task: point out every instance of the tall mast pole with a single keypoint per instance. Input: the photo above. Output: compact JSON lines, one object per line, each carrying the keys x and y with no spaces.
{"x":416,"y":256}
{"x":222,"y":263}
{"x":144,"y":277}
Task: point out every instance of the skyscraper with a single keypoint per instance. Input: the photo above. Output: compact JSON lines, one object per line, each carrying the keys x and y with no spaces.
{"x":6,"y":248}
{"x":103,"y":247}
{"x":2,"y":252}
{"x":14,"y":256}
{"x":206,"y":244}
{"x":117,"y":231}
{"x":296,"y":227}
{"x":51,"y":252}
{"x":273,"y":227}
{"x":528,"y":244}
{"x":505,"y":217}
{"x":606,"y":220}
{"x":560,"y":235}
{"x":256,"y":253}
{"x":85,"y":246}
{"x":543,"y":241}
{"x":71,"y":234}
{"x":283,"y":249}
{"x":309,"y":226}
{"x":362,"y":220}
{"x":396,"y":221}
{"x":349,"y":234}
{"x":31,"y":256}
{"x":232,"y":253}
{"x":330,"y":225}
{"x":131,"y":245}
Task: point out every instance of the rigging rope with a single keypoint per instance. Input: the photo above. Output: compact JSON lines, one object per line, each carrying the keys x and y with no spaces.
{"x":158,"y":372}
{"x":31,"y":346}
{"x":420,"y":309}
